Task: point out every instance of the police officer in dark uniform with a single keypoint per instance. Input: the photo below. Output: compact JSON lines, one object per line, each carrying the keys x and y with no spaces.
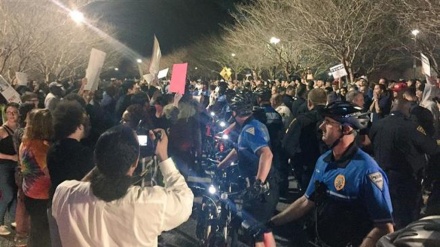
{"x":255,"y":163}
{"x":274,"y":123}
{"x":348,"y":190}
{"x":303,"y":139}
{"x":399,"y":147}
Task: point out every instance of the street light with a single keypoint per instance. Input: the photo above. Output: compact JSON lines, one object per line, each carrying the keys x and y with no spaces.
{"x":274,"y":40}
{"x":233,"y":55}
{"x":415,"y":32}
{"x":139,"y":60}
{"x":116,"y":69}
{"x":77,"y":16}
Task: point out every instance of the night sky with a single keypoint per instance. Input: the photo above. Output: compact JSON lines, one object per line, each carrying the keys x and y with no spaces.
{"x":176,"y":23}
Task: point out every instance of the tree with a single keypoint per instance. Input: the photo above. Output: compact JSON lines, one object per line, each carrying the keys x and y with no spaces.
{"x":39,"y":38}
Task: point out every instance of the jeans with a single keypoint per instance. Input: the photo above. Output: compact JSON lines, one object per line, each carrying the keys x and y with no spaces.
{"x":8,"y":190}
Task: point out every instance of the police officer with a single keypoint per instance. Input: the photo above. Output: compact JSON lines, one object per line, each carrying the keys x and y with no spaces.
{"x":399,"y":147}
{"x":348,"y":190}
{"x":255,"y":163}
{"x":274,"y":123}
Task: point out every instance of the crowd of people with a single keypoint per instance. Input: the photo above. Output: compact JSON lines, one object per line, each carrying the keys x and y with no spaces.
{"x":361,"y":152}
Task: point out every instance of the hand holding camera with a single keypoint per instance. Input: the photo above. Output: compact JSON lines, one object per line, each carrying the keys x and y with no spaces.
{"x":160,"y":138}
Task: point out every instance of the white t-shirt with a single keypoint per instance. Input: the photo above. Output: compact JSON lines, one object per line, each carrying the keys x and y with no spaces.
{"x":134,"y":220}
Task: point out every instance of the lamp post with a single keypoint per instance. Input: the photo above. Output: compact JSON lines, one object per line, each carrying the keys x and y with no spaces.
{"x":415,"y":32}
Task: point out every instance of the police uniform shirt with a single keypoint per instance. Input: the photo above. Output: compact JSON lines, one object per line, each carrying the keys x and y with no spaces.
{"x":355,"y":177}
{"x":254,"y":135}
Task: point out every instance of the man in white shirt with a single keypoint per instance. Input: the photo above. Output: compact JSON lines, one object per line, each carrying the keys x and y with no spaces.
{"x":105,"y":209}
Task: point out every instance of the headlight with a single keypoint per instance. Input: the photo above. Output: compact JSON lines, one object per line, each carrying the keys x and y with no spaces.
{"x":225,"y":137}
{"x":222,"y":124}
{"x":212,"y":189}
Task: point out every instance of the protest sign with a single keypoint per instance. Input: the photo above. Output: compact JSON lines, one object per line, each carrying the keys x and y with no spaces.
{"x":338,"y":71}
{"x":96,"y":62}
{"x":22,"y":78}
{"x":155,"y":58}
{"x":8,"y":91}
{"x":426,"y":66}
{"x":162,"y":74}
{"x":178,"y":78}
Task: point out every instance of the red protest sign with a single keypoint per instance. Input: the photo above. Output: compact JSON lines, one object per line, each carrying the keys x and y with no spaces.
{"x":178,"y":78}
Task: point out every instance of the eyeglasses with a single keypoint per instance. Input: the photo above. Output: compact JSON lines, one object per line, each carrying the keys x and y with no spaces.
{"x":12,"y":112}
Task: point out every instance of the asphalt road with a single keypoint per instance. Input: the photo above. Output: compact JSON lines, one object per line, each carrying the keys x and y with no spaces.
{"x":184,"y":236}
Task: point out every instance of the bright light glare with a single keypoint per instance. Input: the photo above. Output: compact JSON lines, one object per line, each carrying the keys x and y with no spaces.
{"x":225,"y":137}
{"x":212,"y":189}
{"x":222,"y":124}
{"x":233,"y":54}
{"x":139,"y":60}
{"x":212,"y":113}
{"x":415,"y":32}
{"x":274,"y":40}
{"x":116,"y":69}
{"x":77,"y":16}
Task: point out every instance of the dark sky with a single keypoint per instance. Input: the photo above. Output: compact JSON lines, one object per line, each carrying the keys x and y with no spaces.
{"x":176,"y":23}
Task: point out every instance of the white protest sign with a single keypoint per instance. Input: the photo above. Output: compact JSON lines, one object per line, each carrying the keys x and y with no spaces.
{"x":426,"y":66}
{"x":163,"y":73}
{"x":93,"y":71}
{"x":8,"y":91}
{"x":338,"y":71}
{"x":149,"y":78}
{"x":22,"y":78}
{"x":155,"y":58}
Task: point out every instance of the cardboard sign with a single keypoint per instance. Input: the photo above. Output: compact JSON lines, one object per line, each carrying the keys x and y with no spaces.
{"x":8,"y":91}
{"x":96,"y":62}
{"x":426,"y":66}
{"x":162,"y":74}
{"x":155,"y":58}
{"x":338,"y":71}
{"x":178,"y":78}
{"x":22,"y":78}
{"x":149,"y":78}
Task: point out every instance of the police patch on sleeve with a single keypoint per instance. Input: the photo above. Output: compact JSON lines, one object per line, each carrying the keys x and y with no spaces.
{"x":251,"y":131}
{"x":377,"y":179}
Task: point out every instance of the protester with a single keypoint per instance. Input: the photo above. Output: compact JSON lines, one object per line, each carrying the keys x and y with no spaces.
{"x":124,"y":215}
{"x":8,"y":164}
{"x":36,"y":180}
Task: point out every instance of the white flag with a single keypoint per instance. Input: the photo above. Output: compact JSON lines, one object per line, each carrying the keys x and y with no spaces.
{"x":155,"y":58}
{"x":96,"y":62}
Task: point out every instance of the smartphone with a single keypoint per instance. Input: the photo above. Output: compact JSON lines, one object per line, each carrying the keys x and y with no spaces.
{"x":143,"y":140}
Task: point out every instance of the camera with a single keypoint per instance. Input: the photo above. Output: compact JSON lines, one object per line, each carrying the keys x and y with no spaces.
{"x":146,"y":145}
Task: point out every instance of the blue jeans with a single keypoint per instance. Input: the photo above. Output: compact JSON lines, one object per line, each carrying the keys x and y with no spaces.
{"x":8,"y":191}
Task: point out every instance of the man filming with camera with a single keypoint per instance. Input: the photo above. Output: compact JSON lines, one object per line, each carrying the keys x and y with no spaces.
{"x":106,"y":209}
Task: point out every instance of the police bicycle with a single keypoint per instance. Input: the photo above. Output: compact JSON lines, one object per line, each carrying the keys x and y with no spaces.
{"x":218,"y":215}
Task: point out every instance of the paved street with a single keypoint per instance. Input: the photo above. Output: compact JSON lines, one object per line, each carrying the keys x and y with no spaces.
{"x":184,"y":235}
